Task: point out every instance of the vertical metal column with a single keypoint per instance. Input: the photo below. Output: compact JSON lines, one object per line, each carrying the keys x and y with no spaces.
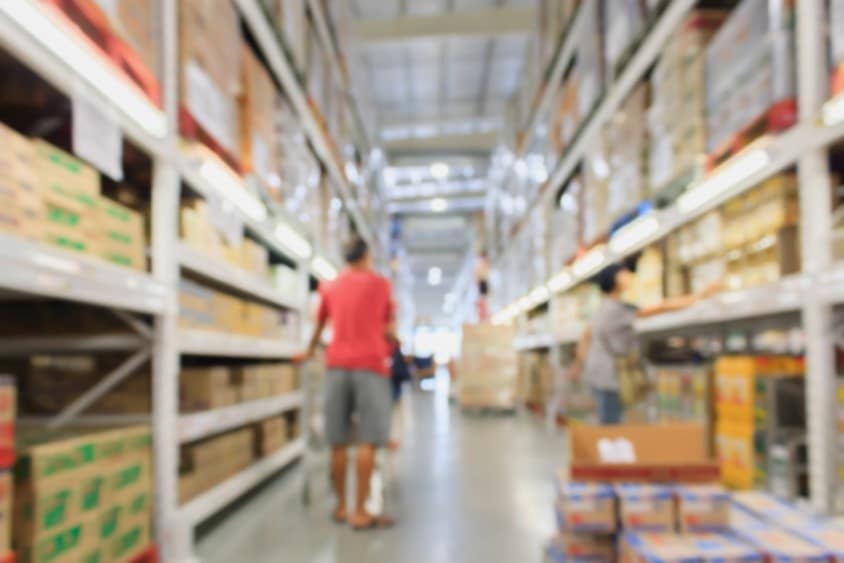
{"x":815,"y":220}
{"x":174,"y":538}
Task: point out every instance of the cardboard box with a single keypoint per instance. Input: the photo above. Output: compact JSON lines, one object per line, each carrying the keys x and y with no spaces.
{"x":258,"y":106}
{"x":64,"y":174}
{"x":645,"y":507}
{"x":585,"y":507}
{"x":702,"y":508}
{"x":779,"y":545}
{"x":653,"y":547}
{"x":122,"y":234}
{"x":206,"y":388}
{"x":583,"y":547}
{"x":637,"y":453}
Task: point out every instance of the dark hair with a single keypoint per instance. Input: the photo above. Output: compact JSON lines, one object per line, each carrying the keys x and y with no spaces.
{"x":355,"y":250}
{"x":606,"y":278}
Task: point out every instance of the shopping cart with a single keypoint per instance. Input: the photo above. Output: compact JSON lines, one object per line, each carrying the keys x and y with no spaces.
{"x":316,"y":457}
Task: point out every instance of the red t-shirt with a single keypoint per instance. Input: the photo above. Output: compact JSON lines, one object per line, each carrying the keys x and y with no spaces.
{"x":359,"y":306}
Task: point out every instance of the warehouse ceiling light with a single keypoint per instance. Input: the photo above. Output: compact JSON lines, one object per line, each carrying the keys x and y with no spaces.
{"x":435,"y":276}
{"x":88,"y":65}
{"x":589,"y":263}
{"x":324,"y":269}
{"x":439,"y":204}
{"x":289,"y":238}
{"x":634,"y":233}
{"x":229,"y":187}
{"x":439,"y":170}
{"x":560,"y":282}
{"x":734,"y":172}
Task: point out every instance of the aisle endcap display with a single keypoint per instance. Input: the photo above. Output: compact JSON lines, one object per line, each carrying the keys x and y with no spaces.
{"x":211,"y":502}
{"x":194,"y":426}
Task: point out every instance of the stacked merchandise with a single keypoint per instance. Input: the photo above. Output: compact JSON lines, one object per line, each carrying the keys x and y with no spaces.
{"x":135,"y":23}
{"x":210,"y":73}
{"x":595,"y":171}
{"x":750,"y":71}
{"x":209,"y":462}
{"x":199,"y":232}
{"x":535,"y":378}
{"x":53,"y":197}
{"x":205,"y":309}
{"x":626,"y":141}
{"x":677,"y":116}
{"x":204,"y":388}
{"x":83,"y":497}
{"x":258,"y":107}
{"x":646,"y":289}
{"x":684,"y":392}
{"x":759,"y":402}
{"x":583,"y":82}
{"x":836,"y":45}
{"x":488,"y":367}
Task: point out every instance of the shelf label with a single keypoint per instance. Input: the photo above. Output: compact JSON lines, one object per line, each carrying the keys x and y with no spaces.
{"x":97,"y":137}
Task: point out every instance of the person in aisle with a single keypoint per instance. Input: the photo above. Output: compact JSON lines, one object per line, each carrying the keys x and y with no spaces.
{"x":612,"y":337}
{"x":359,"y":307}
{"x":399,"y":375}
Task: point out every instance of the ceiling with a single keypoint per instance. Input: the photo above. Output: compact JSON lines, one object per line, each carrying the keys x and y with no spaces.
{"x":439,"y":75}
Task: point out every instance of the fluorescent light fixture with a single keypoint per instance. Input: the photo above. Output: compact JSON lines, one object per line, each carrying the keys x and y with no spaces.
{"x":439,"y":170}
{"x":86,"y":64}
{"x":635,"y":232}
{"x":438,"y":205}
{"x":352,"y":172}
{"x":323,"y":268}
{"x":560,"y":282}
{"x":734,"y":172}
{"x":521,"y":168}
{"x":229,"y":187}
{"x":539,"y":294}
{"x":833,"y":111}
{"x":589,"y":263}
{"x":292,"y":240}
{"x":435,"y":276}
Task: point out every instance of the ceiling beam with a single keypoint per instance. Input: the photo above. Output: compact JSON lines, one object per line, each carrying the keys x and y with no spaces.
{"x":465,"y":143}
{"x":484,"y":22}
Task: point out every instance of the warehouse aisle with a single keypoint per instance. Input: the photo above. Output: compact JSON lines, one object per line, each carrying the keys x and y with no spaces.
{"x":469,"y":489}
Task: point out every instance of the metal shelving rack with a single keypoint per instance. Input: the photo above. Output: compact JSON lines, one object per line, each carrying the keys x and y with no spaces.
{"x":40,"y":270}
{"x":812,"y":293}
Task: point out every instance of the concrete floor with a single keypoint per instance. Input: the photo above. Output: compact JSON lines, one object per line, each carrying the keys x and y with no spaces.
{"x":466,"y":489}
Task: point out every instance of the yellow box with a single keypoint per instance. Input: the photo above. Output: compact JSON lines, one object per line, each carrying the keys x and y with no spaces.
{"x":64,"y":173}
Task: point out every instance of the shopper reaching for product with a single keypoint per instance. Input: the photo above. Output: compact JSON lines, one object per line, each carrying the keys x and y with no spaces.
{"x":609,"y":346}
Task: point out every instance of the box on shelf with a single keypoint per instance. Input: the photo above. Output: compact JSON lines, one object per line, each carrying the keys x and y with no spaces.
{"x":258,"y":100}
{"x":271,"y":435}
{"x":122,"y":234}
{"x":209,"y":462}
{"x":626,"y":139}
{"x":645,"y":507}
{"x":22,"y":213}
{"x":134,"y":21}
{"x":205,"y":388}
{"x":582,"y":547}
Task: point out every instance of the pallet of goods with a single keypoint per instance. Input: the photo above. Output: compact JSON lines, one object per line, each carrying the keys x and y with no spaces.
{"x":488,"y":367}
{"x":750,"y":89}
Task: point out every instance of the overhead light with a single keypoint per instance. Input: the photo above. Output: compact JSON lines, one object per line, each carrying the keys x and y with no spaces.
{"x":568,"y":202}
{"x":324,"y":269}
{"x":600,"y":167}
{"x":734,"y":172}
{"x":539,"y":294}
{"x":87,"y":65}
{"x":560,"y":282}
{"x":589,"y":263}
{"x":351,"y":172}
{"x":833,"y":111}
{"x":521,"y":168}
{"x":633,"y":233}
{"x":292,"y":240}
{"x":438,"y":205}
{"x":435,"y":276}
{"x":229,"y":187}
{"x":439,"y":170}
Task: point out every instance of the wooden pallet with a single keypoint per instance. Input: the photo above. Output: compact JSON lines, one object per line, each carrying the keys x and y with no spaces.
{"x":778,"y":117}
{"x":93,"y":26}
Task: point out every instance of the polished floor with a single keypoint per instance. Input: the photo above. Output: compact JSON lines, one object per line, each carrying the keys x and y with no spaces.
{"x":465,"y":488}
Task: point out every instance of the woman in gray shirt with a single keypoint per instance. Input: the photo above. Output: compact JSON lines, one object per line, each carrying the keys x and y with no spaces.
{"x":612,"y":335}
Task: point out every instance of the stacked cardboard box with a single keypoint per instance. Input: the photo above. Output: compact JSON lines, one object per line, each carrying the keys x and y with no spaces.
{"x":209,"y":462}
{"x":647,"y":288}
{"x":627,"y":143}
{"x":209,"y":72}
{"x":684,"y":392}
{"x":123,"y":238}
{"x":21,"y":205}
{"x":488,"y":367}
{"x":84,"y":498}
{"x":749,"y":68}
{"x":271,"y":435}
{"x":743,"y":417}
{"x":203,"y":308}
{"x":135,"y":22}
{"x":676,"y":116}
{"x":258,"y":103}
{"x":204,"y":388}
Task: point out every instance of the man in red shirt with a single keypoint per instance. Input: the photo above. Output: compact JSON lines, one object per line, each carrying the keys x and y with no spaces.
{"x":358,"y":304}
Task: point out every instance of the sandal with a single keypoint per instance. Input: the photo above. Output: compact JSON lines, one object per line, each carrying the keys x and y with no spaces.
{"x":375,"y":523}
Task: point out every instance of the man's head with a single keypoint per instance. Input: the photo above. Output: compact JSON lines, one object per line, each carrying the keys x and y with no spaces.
{"x":615,"y":279}
{"x":356,"y":253}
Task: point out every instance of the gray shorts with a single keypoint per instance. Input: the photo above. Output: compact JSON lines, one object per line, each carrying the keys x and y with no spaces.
{"x":367,"y":394}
